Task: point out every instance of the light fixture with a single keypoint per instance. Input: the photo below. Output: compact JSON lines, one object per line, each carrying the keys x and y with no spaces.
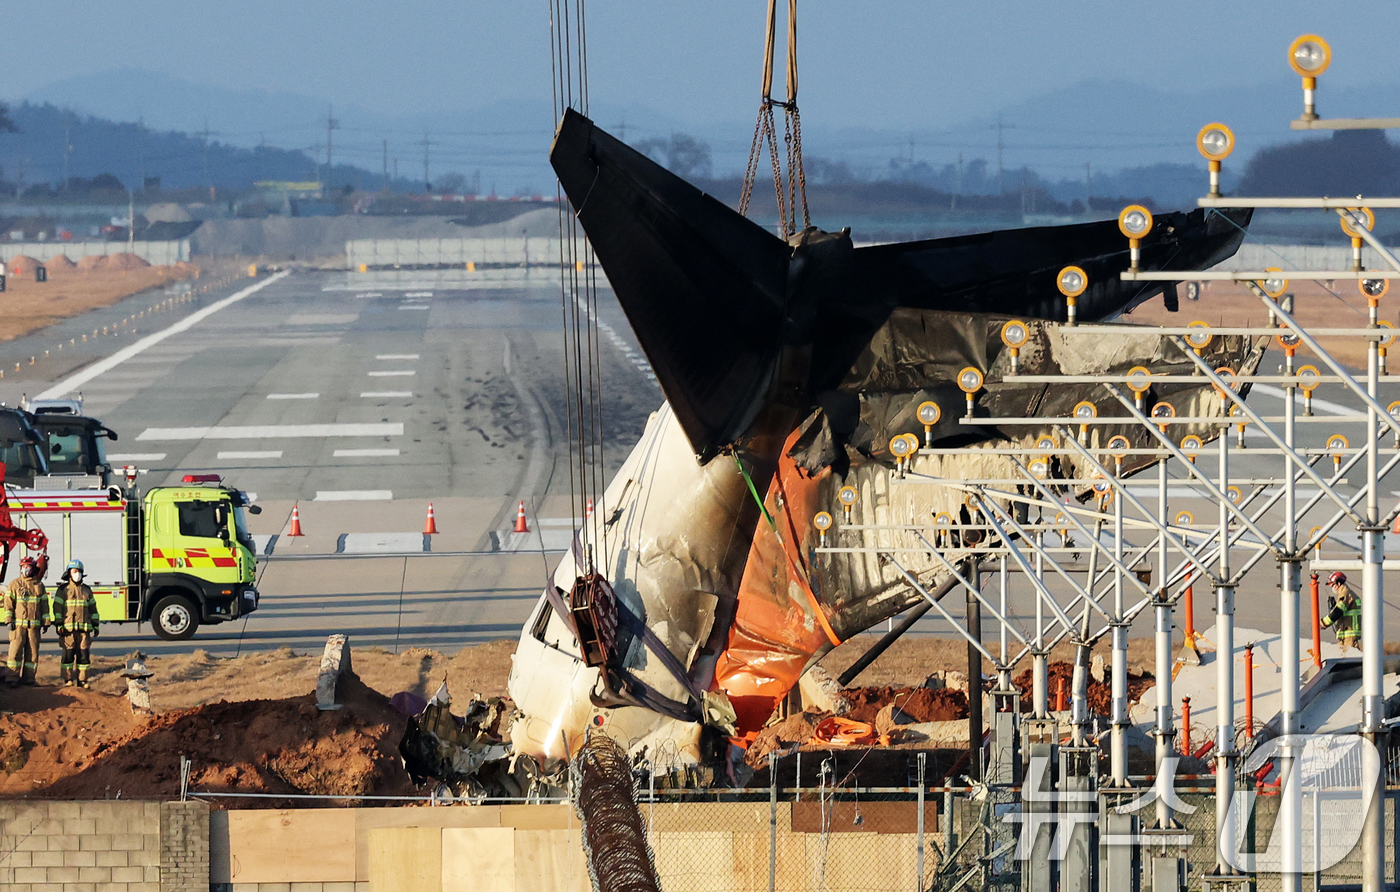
{"x":1163,"y":411}
{"x":899,"y":448}
{"x":1337,"y":445}
{"x":1312,"y":533}
{"x":1373,"y":290}
{"x":1184,"y":518}
{"x":1309,"y":56}
{"x":1139,"y":380}
{"x":1393,"y":410}
{"x":1241,"y":422}
{"x":823,"y":521}
{"x":1289,"y":342}
{"x":1199,"y":337}
{"x":1354,"y":220}
{"x":1215,"y":142}
{"x":1039,"y":467}
{"x":1119,"y":446}
{"x":1135,"y":222}
{"x":942,"y":526}
{"x":1234,"y":494}
{"x":1084,"y":411}
{"x":1274,"y":286}
{"x":1192,"y":446}
{"x":929,"y":413}
{"x":1045,"y":442}
{"x":1015,"y":334}
{"x":1228,"y":374}
{"x":1072,"y":282}
{"x":970,"y":381}
{"x":848,"y":497}
{"x":1308,"y":379}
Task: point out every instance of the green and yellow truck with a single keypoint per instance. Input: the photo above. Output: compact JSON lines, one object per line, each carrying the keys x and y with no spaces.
{"x":177,"y":556}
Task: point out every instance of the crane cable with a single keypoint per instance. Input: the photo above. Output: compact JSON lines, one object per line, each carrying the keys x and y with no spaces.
{"x":578,"y":291}
{"x":791,"y":187}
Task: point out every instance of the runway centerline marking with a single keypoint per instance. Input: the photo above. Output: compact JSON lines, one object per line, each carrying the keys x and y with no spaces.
{"x":270,"y":431}
{"x":397,"y":356}
{"x":415,"y":307}
{"x":292,"y":396}
{"x":1327,"y":406}
{"x":354,"y":495}
{"x":396,"y":373}
{"x":365,"y":453}
{"x":103,"y":366}
{"x":135,"y":456}
{"x":386,"y":394}
{"x":273,"y":453}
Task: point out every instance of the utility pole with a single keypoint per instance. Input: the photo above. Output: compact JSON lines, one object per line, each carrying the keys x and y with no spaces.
{"x":427,"y":147}
{"x":1001,"y":146}
{"x":67,"y":150}
{"x":386,"y":165}
{"x":204,"y":140}
{"x":332,"y":125}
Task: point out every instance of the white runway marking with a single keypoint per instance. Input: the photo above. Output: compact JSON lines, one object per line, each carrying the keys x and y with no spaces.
{"x":292,"y":396}
{"x":322,"y":318}
{"x":325,"y":341}
{"x":397,"y":373}
{"x":418,"y":294}
{"x":135,"y":456}
{"x":101,"y":367}
{"x":270,"y":431}
{"x":1327,"y":406}
{"x":365,"y":453}
{"x":275,"y":453}
{"x":386,"y":394}
{"x":354,"y":495}
{"x":397,"y":356}
{"x":415,"y":307}
{"x":382,"y":543}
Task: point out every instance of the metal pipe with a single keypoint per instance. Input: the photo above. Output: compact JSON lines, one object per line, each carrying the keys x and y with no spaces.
{"x":974,"y":679}
{"x":1373,"y":642}
{"x":1118,"y":752}
{"x":1291,"y":804}
{"x":1249,"y":690}
{"x":1224,"y":684}
{"x":1186,"y":726}
{"x":1040,"y":659}
{"x":1316,"y":626}
{"x":911,"y":616}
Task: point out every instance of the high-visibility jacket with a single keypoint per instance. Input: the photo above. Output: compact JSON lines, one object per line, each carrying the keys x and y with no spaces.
{"x":1345,"y":614}
{"x":25,"y":603}
{"x":74,"y":608}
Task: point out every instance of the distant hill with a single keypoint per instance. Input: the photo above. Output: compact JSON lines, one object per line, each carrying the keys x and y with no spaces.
{"x":34,"y":158}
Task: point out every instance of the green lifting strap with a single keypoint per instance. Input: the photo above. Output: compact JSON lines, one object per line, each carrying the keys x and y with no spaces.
{"x":753,"y":491}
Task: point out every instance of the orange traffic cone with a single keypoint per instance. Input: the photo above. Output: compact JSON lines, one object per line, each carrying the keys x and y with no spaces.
{"x":588,"y":514}
{"x":296,"y":523}
{"x":430,"y":526}
{"x":520,"y":525}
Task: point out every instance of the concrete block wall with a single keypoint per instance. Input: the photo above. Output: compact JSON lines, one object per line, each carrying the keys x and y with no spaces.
{"x":107,"y":846}
{"x":184,"y":847}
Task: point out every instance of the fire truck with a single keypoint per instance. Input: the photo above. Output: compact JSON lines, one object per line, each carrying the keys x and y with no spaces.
{"x":177,"y":556}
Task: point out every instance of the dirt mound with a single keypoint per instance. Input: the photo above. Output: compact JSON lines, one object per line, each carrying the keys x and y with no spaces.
{"x":257,"y":746}
{"x":125,"y":261}
{"x":59,"y":263}
{"x":48,"y":733}
{"x":1100,"y":693}
{"x":919,"y":704}
{"x":92,"y":262}
{"x":21,"y":265}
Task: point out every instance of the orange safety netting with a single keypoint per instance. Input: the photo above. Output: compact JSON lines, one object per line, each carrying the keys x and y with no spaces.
{"x":836,"y":731}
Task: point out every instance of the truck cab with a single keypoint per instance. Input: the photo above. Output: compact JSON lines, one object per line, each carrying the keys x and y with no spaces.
{"x":22,"y":448}
{"x":75,"y":447}
{"x":199,"y":564}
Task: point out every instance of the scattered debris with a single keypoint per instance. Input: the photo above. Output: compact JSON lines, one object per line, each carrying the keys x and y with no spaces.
{"x":334,"y":661}
{"x":138,"y":690}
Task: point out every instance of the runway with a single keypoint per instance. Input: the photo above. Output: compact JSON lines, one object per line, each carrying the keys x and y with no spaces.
{"x":360,"y":397}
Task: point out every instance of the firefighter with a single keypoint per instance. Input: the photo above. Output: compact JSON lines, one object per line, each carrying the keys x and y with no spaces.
{"x":26,"y":611}
{"x":1344,"y":612}
{"x":75,"y":617}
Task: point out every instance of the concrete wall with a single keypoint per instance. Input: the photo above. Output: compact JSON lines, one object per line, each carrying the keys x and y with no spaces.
{"x":509,"y":251}
{"x":699,"y":846}
{"x":155,"y":253}
{"x":108,"y":846}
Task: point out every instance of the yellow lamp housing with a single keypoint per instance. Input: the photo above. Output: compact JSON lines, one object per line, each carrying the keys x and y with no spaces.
{"x":943,"y":519}
{"x":1274,"y":286}
{"x":1215,"y":142}
{"x":1368,"y":221}
{"x":1192,"y":445}
{"x":1163,"y":411}
{"x":1060,"y":519}
{"x":1337,"y":444}
{"x":899,"y":448}
{"x":1234,"y":494}
{"x":1039,"y":467}
{"x":1289,"y":342}
{"x":970,"y":381}
{"x":823,"y":520}
{"x":847,"y":496}
{"x":1393,"y":410}
{"x":1200,"y":337}
{"x":1308,"y":379}
{"x":929,"y":414}
{"x":1135,"y":222}
{"x":1119,"y":446}
{"x":1373,"y":289}
{"x":1184,"y":518}
{"x":1139,"y":379}
{"x":1228,"y":374}
{"x":1085,"y":410}
{"x":1309,"y":56}
{"x":1045,"y":442}
{"x":1015,"y":334}
{"x":1072,"y":282}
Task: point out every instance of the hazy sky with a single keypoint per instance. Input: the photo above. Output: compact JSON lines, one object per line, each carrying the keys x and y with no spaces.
{"x":863,"y":63}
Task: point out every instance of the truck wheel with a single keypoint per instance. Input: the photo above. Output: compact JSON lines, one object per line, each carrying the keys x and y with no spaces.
{"x":174,"y":618}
